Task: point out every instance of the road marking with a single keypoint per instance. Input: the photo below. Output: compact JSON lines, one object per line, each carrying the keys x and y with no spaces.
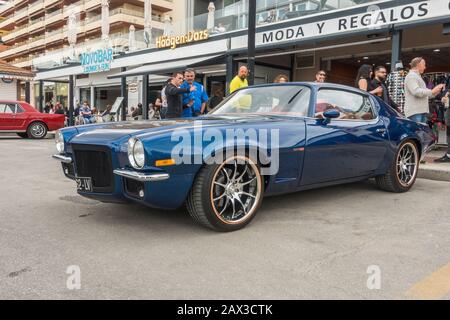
{"x":435,"y":286}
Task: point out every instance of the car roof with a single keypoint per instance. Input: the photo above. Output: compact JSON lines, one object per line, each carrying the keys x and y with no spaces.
{"x":313,"y":84}
{"x":23,"y":104}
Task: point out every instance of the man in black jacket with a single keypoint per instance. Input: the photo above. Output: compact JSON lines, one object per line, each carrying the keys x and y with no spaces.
{"x":174,"y":95}
{"x":379,"y":80}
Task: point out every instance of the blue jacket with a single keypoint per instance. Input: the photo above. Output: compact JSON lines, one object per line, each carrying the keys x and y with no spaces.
{"x":199,"y":96}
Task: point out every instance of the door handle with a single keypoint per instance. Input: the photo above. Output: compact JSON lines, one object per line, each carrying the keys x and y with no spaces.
{"x":381,"y":130}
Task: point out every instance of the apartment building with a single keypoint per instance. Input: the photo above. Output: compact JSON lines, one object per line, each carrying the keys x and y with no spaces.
{"x":38,"y":30}
{"x":35,"y":28}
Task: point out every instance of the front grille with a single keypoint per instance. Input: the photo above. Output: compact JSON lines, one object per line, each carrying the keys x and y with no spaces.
{"x":95,"y":162}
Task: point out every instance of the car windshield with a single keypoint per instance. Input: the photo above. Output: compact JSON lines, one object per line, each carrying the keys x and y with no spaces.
{"x":273,"y":100}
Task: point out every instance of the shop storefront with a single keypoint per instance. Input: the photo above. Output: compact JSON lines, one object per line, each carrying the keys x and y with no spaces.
{"x":337,"y":41}
{"x":14,"y":82}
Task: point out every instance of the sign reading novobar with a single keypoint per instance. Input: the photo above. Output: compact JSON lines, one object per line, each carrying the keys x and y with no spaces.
{"x":97,"y":61}
{"x":374,"y":18}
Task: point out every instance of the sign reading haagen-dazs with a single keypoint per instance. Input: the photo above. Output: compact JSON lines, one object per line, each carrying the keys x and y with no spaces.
{"x":373,"y":18}
{"x":173,"y":41}
{"x":97,"y":61}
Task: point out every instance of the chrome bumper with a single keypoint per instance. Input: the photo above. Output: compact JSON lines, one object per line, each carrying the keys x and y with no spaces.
{"x":139,"y":176}
{"x":63,"y":159}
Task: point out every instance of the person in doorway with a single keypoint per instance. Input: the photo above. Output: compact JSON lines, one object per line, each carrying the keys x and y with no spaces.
{"x":239,"y":81}
{"x":416,"y":92}
{"x":364,"y":80}
{"x":47,"y":107}
{"x":446,"y":103}
{"x":194,"y":102}
{"x":281,"y":78}
{"x":216,"y":99}
{"x":174,"y":95}
{"x":321,"y":76}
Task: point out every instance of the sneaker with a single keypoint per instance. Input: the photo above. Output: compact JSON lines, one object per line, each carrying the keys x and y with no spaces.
{"x":445,"y":158}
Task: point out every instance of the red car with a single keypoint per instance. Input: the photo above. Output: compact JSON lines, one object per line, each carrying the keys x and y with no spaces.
{"x":26,"y":121}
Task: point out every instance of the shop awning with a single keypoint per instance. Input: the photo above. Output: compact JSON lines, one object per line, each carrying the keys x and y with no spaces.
{"x":9,"y":71}
{"x":167,"y":66}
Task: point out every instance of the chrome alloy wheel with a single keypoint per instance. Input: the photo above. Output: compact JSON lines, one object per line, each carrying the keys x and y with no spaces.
{"x":236,"y":190}
{"x":37,"y":130}
{"x":407,"y":167}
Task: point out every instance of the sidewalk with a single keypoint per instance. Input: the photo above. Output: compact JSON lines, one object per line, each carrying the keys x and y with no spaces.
{"x":435,"y":171}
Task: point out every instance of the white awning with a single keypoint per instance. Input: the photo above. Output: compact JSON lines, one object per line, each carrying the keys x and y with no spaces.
{"x":165,"y":67}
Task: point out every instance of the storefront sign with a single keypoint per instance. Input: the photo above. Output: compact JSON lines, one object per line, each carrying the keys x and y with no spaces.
{"x":374,"y":18}
{"x":173,"y":41}
{"x":97,"y":61}
{"x":7,"y":80}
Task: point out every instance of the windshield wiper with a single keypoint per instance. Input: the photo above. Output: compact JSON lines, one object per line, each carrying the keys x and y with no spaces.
{"x":295,"y":96}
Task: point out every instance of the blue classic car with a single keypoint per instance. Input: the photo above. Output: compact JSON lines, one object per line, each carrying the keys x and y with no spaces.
{"x":260,"y":141}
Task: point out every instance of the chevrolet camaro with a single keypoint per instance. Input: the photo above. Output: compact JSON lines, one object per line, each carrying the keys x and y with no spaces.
{"x":259,"y":141}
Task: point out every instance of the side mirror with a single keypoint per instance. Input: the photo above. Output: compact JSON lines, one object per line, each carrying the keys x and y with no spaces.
{"x":330,"y":114}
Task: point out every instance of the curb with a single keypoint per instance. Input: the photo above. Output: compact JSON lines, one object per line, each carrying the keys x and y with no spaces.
{"x":434,"y":174}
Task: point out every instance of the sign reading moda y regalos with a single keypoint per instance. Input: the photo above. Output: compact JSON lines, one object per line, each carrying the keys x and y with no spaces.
{"x":97,"y":61}
{"x":173,"y":41}
{"x":373,"y":18}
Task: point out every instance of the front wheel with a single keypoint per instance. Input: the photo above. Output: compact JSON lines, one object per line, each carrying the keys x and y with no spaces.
{"x":402,"y":173}
{"x":37,"y":130}
{"x":225,"y":197}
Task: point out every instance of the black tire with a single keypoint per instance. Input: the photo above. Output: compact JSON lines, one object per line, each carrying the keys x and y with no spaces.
{"x":201,"y":203}
{"x":37,"y":130}
{"x":395,"y":179}
{"x":22,"y":135}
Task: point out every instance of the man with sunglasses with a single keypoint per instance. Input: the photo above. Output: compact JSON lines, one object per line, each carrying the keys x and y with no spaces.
{"x":379,"y":80}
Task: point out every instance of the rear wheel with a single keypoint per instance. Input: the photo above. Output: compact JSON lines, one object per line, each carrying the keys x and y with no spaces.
{"x":402,"y":173}
{"x":37,"y":130}
{"x":22,"y":134}
{"x":225,"y":197}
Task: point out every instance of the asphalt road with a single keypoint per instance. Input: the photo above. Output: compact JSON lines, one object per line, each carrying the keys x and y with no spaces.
{"x":309,"y":245}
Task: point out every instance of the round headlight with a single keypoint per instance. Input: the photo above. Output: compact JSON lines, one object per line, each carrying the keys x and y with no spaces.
{"x":59,"y":139}
{"x":136,"y":153}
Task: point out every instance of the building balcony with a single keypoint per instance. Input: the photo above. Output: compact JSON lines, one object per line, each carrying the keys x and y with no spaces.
{"x":48,"y":3}
{"x":53,"y":17}
{"x":36,"y":7}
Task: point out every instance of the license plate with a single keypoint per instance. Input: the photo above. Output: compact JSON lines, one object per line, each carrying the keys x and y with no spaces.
{"x":84,"y":184}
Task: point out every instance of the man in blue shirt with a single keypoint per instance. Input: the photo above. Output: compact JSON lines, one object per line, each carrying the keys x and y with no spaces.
{"x":194,"y":103}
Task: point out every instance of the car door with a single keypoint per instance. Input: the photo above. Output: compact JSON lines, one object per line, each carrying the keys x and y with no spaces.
{"x":7,"y":116}
{"x":20,"y":117}
{"x":354,"y":145}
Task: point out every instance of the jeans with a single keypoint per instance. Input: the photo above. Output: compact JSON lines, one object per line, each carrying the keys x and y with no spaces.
{"x":421,"y":117}
{"x":163,"y":112}
{"x":88,"y":120}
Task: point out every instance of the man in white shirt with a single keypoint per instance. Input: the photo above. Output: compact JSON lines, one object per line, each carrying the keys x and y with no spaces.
{"x":416,"y":92}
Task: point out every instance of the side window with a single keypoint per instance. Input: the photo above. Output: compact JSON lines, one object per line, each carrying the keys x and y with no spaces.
{"x":352,"y":106}
{"x":7,"y":108}
{"x":19,"y":109}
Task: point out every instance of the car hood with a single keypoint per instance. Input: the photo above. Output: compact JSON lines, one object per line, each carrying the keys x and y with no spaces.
{"x":117,"y":130}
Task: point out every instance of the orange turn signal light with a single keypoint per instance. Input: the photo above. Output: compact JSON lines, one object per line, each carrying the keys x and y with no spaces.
{"x":164,"y":163}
